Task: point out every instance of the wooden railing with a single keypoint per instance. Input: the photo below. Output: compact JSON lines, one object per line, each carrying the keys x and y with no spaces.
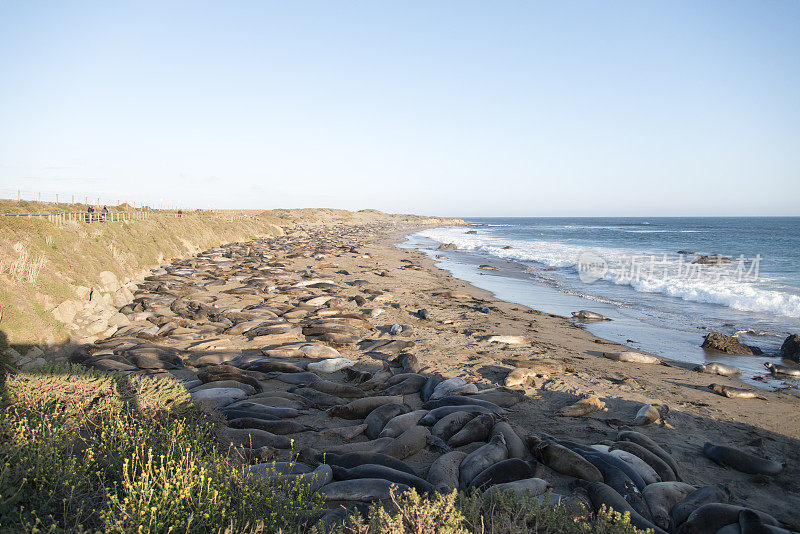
{"x":120,"y":216}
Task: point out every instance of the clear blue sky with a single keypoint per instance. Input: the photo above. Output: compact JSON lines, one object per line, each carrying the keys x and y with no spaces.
{"x":454,"y":108}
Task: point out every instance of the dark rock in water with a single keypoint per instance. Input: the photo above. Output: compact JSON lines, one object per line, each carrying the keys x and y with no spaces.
{"x":728,"y":345}
{"x":686,"y":252}
{"x":712,"y":259}
{"x":471,"y":232}
{"x":448,"y":246}
{"x":791,"y":348}
{"x":488,"y":268}
{"x":508,"y":247}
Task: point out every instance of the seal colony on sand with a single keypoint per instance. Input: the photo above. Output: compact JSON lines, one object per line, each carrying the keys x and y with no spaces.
{"x":283,"y":338}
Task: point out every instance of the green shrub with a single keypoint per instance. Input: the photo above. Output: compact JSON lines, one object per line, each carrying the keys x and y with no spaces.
{"x":81,"y":449}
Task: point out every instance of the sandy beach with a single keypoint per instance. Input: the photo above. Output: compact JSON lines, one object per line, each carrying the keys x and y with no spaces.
{"x":355,"y":263}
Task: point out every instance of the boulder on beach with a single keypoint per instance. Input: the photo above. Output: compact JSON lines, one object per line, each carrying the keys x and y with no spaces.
{"x":728,"y":345}
{"x":448,"y":246}
{"x":791,"y":348}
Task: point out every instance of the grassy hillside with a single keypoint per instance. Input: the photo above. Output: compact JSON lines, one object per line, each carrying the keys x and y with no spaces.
{"x":43,"y":264}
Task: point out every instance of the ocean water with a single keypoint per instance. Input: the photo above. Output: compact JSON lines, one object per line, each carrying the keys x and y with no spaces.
{"x":642,"y":273}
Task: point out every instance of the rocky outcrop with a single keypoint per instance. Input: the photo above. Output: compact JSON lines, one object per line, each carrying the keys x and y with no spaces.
{"x":448,"y":246}
{"x":791,"y":348}
{"x":728,"y":345}
{"x":94,"y":312}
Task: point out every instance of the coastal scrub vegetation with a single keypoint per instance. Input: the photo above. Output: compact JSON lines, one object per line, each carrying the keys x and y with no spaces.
{"x":84,"y":450}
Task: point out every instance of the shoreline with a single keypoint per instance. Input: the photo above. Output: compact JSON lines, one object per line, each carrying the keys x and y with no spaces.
{"x":639,"y":325}
{"x":363,"y":264}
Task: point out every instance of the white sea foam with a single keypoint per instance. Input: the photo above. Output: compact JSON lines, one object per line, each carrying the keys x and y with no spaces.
{"x":745,"y":295}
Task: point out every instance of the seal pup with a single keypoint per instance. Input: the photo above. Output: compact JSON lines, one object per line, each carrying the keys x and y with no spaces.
{"x":742,"y":461}
{"x":717,"y":368}
{"x":734,"y":393}
{"x":778,"y":369}
{"x":583,"y":407}
{"x":631,"y":357}
{"x":651,"y":413}
{"x":586,"y":315}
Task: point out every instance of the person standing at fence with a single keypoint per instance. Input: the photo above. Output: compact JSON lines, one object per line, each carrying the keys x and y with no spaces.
{"x":180,"y":213}
{"x":89,"y":213}
{"x":104,"y":214}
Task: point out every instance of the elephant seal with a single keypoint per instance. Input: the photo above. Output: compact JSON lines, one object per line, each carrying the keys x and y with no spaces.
{"x":428,"y":387}
{"x":583,"y":407}
{"x":508,"y":340}
{"x":296,"y":379}
{"x":586,"y":315}
{"x":354,"y":375}
{"x":477,"y":429}
{"x":617,"y":478}
{"x":331,"y":365}
{"x":717,"y":368}
{"x":626,"y":434}
{"x":661,"y":497}
{"x":410,"y":442}
{"x":734,"y":393}
{"x":254,"y":438}
{"x":452,"y":386}
{"x":450,"y":424}
{"x":412,"y":384}
{"x":600,"y":494}
{"x":400,"y":423}
{"x":381,"y":415}
{"x":778,"y":369}
{"x":362,"y":489}
{"x":463,"y":400}
{"x":277,"y":411}
{"x":516,"y":447}
{"x":335,"y":388}
{"x":381,"y":471}
{"x":434,"y":415}
{"x":361,"y":408}
{"x":371,"y":445}
{"x":500,"y":396}
{"x":661,"y":467}
{"x":647,"y":473}
{"x":481,"y":458}
{"x":281,"y":427}
{"x":353,"y":459}
{"x":742,"y":461}
{"x":565,"y":461}
{"x":526,"y":486}
{"x":705,"y":495}
{"x":503,"y":471}
{"x":345,"y":432}
{"x":443,"y":473}
{"x":713,"y":516}
{"x":318,"y":398}
{"x":651,"y":413}
{"x":751,"y":523}
{"x":631,"y":357}
{"x":268,"y":366}
{"x":377,"y":379}
{"x":232,"y":413}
